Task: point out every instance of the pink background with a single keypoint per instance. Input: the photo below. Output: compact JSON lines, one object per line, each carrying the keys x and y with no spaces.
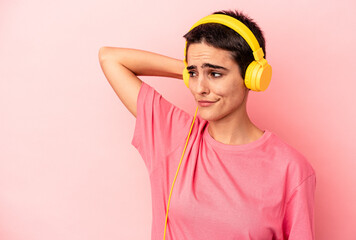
{"x":67,"y":168}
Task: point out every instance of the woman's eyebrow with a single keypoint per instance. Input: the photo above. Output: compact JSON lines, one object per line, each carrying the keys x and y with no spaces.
{"x":209,"y":65}
{"x":191,"y":67}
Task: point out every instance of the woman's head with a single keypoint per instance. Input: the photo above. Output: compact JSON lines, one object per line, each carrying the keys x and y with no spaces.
{"x":216,"y":83}
{"x":217,"y":58}
{"x":223,"y":37}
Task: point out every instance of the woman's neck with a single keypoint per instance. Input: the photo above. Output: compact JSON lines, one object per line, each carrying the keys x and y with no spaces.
{"x":234,"y":130}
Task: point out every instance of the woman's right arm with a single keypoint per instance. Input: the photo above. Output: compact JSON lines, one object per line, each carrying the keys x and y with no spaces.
{"x":121,"y":66}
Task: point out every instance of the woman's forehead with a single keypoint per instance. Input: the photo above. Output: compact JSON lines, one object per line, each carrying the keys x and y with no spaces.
{"x":203,"y":55}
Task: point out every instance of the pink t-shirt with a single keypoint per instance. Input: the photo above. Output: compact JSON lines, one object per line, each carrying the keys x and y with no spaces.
{"x":262,"y":190}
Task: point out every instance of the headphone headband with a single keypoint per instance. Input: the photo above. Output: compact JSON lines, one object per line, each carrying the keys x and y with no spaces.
{"x":238,"y":27}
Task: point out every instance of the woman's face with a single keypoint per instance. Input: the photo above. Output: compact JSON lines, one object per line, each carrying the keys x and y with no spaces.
{"x":216,"y":83}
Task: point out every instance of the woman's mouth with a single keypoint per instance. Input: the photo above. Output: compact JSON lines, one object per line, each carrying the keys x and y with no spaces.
{"x":205,"y":103}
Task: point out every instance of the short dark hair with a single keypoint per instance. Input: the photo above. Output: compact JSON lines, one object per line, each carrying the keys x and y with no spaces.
{"x":223,"y":37}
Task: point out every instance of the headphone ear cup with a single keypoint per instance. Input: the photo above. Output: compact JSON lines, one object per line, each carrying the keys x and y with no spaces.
{"x":250,"y":81}
{"x":264,"y":77}
{"x":258,"y":77}
{"x":186,"y":77}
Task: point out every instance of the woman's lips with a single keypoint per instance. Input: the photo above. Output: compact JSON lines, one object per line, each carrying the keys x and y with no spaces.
{"x":206,"y":103}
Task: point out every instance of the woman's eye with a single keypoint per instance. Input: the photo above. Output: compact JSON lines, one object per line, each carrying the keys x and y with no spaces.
{"x":192,"y":74}
{"x":216,"y":74}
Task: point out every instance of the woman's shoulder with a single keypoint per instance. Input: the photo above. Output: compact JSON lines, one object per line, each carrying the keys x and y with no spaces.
{"x":289,"y":156}
{"x":150,"y":94}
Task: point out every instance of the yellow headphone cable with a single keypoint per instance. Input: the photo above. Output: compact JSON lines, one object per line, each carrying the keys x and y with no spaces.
{"x":169,"y":199}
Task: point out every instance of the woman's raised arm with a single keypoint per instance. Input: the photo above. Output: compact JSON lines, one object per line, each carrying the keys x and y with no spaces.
{"x":121,"y":66}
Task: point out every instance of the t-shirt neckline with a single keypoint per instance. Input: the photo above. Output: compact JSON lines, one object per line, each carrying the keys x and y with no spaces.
{"x":242,"y":147}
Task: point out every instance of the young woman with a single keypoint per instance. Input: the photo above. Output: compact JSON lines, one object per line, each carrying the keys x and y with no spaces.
{"x":234,"y":180}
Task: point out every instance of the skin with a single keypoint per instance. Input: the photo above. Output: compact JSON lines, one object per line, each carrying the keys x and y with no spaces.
{"x":228,"y":119}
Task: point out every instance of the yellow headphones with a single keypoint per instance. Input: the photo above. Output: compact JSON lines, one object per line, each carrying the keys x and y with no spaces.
{"x":259,"y":72}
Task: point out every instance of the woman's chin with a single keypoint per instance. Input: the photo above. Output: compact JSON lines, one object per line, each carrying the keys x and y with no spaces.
{"x":208,"y":115}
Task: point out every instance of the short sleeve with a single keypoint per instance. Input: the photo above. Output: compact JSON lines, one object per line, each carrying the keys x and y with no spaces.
{"x":298,"y":222}
{"x":160,"y":126}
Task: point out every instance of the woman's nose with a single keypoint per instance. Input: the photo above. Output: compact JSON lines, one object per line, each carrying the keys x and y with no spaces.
{"x":202,"y":85}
